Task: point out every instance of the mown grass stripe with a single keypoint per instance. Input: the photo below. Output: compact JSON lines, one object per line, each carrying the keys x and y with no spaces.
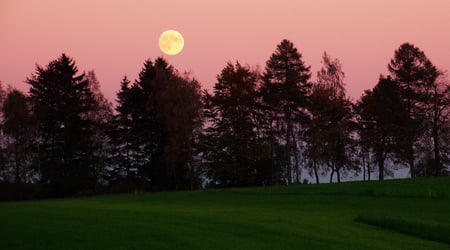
{"x":425,"y":231}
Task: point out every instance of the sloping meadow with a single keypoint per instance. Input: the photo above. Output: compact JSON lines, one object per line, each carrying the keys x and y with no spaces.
{"x":371,"y":215}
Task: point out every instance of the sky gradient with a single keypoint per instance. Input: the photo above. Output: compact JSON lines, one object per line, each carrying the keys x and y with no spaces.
{"x":114,"y":38}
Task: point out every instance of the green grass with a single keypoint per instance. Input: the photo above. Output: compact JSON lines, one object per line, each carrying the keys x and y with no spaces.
{"x":294,"y":217}
{"x":426,"y":231}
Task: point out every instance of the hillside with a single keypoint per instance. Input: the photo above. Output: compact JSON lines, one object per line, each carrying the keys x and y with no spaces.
{"x":398,"y":214}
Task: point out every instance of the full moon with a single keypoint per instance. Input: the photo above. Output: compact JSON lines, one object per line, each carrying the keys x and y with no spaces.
{"x":171,"y":42}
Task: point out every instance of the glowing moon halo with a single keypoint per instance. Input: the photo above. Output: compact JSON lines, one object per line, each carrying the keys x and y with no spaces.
{"x":171,"y":42}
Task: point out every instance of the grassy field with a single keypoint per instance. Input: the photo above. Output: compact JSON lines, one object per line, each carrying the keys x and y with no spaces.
{"x":397,"y":214}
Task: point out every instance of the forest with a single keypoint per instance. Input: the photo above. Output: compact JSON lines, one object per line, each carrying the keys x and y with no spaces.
{"x":254,"y":128}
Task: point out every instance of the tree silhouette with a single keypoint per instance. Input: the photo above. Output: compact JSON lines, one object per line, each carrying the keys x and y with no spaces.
{"x":100,"y":114}
{"x":158,"y":116}
{"x":122,"y":169}
{"x":231,"y":147}
{"x":284,"y":94}
{"x":329,"y":132}
{"x":19,"y":130}
{"x":382,"y":115}
{"x":437,"y":111}
{"x":61,"y":102}
{"x":413,"y":73}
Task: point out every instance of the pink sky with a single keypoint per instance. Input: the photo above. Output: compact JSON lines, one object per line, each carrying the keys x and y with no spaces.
{"x":115,"y":37}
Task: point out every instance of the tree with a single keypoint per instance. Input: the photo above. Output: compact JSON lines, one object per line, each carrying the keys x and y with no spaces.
{"x":61,"y":102}
{"x":121,"y":164}
{"x":179,"y":107}
{"x":19,"y":131}
{"x":437,"y":110}
{"x":413,"y":72}
{"x":315,"y":138}
{"x":232,"y":151}
{"x":3,"y":168}
{"x":284,"y":94}
{"x":329,"y":133}
{"x":145,"y":129}
{"x":100,"y":114}
{"x":332,"y":76}
{"x":382,"y":114}
{"x":158,"y":116}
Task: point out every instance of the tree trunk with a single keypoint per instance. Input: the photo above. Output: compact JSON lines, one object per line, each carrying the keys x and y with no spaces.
{"x":288,"y":152}
{"x":411,"y":166}
{"x":380,"y":169}
{"x":16,"y":160}
{"x":338,"y":174}
{"x":437,"y":154}
{"x":315,"y":171}
{"x":331,"y":175}
{"x":364,"y":164}
{"x":297,"y":162}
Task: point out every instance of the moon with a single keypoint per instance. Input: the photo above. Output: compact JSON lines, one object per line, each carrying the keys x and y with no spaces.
{"x":171,"y":42}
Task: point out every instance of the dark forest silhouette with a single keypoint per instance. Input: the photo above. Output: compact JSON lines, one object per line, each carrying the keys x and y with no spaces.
{"x":255,"y":128}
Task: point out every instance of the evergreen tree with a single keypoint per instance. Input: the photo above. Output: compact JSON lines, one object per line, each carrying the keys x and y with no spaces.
{"x":231,"y":148}
{"x":122,"y":169}
{"x":284,"y":94}
{"x":413,"y":72}
{"x":61,"y":102}
{"x":158,"y":115}
{"x":146,"y":130}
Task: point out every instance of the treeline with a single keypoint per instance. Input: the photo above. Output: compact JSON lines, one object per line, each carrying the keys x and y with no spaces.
{"x":255,"y":128}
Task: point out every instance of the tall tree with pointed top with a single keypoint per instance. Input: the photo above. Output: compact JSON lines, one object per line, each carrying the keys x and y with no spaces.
{"x":284,"y":95}
{"x":122,"y":169}
{"x":159,"y":114}
{"x":61,"y":100}
{"x":231,"y":148}
{"x":413,"y":72}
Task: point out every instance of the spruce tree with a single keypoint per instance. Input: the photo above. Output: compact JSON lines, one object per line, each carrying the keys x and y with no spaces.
{"x":122,"y":169}
{"x":414,"y":73}
{"x":158,"y":115}
{"x":61,"y":100}
{"x":284,"y":95}
{"x":231,"y":146}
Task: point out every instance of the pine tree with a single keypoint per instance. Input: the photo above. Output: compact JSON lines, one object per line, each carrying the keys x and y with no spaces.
{"x":231,"y":146}
{"x":159,"y":115}
{"x":61,"y":100}
{"x":122,"y":169}
{"x":284,"y":94}
{"x":413,"y":73}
